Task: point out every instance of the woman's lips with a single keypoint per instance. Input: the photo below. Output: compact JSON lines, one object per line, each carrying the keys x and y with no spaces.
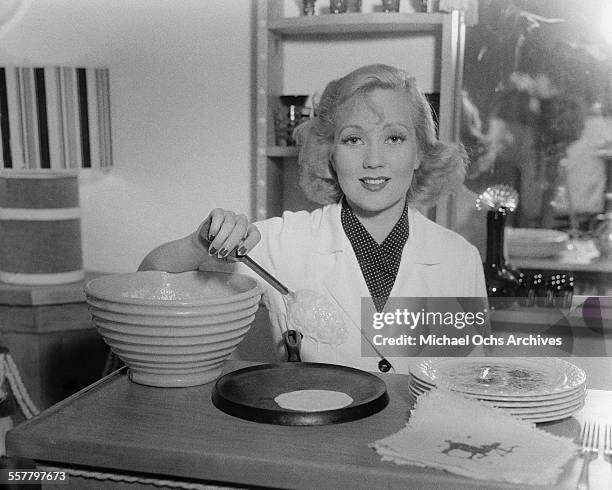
{"x":374,"y":183}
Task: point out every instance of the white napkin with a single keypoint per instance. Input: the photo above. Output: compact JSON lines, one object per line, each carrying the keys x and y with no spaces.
{"x":464,"y":436}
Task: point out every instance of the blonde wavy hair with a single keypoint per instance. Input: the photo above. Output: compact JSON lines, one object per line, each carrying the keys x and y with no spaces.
{"x":442,"y":166}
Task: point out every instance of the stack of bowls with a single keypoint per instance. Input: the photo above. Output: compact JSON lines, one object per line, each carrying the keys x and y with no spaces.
{"x":173,"y":329}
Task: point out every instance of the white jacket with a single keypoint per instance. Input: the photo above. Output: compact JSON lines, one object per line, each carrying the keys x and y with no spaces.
{"x":310,"y":251}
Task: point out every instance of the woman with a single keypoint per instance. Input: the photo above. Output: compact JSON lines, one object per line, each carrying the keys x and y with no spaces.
{"x":369,"y":156}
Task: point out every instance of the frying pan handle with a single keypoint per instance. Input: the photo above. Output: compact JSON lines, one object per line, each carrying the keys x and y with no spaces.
{"x":293,"y":341}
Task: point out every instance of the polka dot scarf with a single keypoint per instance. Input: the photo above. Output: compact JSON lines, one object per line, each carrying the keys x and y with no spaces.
{"x":379,"y":263}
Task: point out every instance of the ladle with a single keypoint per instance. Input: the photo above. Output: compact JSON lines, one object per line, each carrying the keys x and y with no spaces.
{"x":293,"y":338}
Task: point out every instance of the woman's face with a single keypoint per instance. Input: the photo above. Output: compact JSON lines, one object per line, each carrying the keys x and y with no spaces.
{"x":375,"y":153}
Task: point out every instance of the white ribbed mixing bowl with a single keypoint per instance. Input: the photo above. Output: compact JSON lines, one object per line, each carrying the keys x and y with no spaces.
{"x":173,"y":329}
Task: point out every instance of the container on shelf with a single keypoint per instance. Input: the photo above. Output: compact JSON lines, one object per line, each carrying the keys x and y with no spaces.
{"x":308,"y":7}
{"x":289,"y":114}
{"x":390,"y":5}
{"x":338,"y":6}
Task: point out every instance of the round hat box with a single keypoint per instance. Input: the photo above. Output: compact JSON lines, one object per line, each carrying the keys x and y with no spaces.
{"x":40,"y":227}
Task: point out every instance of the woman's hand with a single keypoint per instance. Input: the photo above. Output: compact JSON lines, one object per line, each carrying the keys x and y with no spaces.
{"x":224,"y":231}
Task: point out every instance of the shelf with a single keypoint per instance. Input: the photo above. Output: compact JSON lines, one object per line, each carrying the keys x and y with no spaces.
{"x":598,"y":265}
{"x":278,"y":36}
{"x":357,"y":23}
{"x":282,"y":151}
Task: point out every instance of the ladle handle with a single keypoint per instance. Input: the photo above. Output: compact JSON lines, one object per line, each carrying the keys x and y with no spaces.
{"x":245,"y":259}
{"x":264,"y":274}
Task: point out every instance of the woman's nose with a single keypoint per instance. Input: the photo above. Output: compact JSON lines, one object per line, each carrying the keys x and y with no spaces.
{"x":373,"y":157}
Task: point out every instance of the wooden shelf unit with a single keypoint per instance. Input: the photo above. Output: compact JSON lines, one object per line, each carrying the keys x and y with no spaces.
{"x":271,"y":162}
{"x":356,"y":23}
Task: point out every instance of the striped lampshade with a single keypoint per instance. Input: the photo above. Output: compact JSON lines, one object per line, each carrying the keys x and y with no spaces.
{"x":54,"y":118}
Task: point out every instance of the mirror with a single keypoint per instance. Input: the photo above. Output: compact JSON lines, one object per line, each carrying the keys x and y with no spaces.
{"x":538,"y":105}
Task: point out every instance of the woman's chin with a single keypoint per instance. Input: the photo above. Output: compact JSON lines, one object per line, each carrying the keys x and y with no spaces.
{"x":374,"y":207}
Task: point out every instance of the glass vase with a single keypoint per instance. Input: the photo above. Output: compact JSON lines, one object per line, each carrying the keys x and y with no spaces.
{"x":502,"y":284}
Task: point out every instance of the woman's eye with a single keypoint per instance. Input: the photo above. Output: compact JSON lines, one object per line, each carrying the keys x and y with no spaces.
{"x":396,"y":139}
{"x":351,"y":140}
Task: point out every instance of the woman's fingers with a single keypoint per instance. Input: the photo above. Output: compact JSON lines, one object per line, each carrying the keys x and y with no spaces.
{"x":228,"y":231}
{"x":217,"y":218}
{"x":252,"y":238}
{"x":221,"y":229}
{"x":237,"y":233}
{"x":200,"y":237}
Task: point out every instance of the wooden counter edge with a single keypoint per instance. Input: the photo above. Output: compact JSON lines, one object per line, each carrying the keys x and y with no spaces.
{"x":60,"y":405}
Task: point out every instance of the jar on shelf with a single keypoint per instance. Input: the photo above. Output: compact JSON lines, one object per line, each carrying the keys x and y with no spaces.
{"x":308,"y":7}
{"x":390,"y":5}
{"x":290,"y":112}
{"x":338,"y":6}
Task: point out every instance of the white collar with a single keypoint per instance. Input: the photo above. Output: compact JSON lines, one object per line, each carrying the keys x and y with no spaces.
{"x":422,"y":247}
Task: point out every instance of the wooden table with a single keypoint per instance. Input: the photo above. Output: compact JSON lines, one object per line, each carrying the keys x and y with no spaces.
{"x":124,"y":428}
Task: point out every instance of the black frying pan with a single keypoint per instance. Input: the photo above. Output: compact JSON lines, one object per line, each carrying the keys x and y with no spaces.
{"x":249,"y":393}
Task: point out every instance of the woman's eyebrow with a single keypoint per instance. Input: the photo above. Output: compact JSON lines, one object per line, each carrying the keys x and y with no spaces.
{"x":397,"y":124}
{"x":350,"y":126}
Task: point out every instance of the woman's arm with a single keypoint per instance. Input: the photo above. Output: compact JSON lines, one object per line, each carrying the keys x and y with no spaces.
{"x":180,"y":255}
{"x":218,"y":235}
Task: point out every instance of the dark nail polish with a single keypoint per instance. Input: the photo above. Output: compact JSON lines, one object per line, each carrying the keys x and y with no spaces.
{"x":211,"y":238}
{"x":223,"y":253}
{"x":212,"y":250}
{"x":242,"y":251}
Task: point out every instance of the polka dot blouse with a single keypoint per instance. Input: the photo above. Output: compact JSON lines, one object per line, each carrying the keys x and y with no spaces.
{"x":379,"y":263}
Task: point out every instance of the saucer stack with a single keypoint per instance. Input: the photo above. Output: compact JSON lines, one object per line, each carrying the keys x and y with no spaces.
{"x":535,"y":242}
{"x":532,"y":389}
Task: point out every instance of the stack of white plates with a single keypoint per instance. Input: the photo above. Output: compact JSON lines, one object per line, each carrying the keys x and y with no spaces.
{"x":535,"y":242}
{"x":533,"y":389}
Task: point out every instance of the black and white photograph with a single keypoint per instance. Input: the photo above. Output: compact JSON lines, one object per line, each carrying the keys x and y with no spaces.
{"x":306,"y":244}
